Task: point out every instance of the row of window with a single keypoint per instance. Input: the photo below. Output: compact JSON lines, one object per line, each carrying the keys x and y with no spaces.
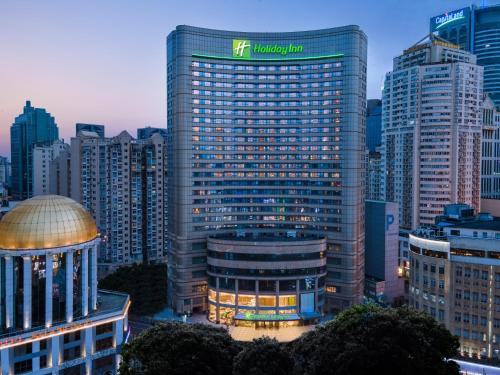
{"x":278,"y":86}
{"x":293,"y":94}
{"x":249,"y":121}
{"x":336,"y":73}
{"x":266,"y":174}
{"x":265,"y":68}
{"x":280,"y":103}
{"x":265,"y":113}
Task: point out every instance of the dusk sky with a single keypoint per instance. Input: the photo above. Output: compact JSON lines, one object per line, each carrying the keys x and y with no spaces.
{"x":104,"y":61}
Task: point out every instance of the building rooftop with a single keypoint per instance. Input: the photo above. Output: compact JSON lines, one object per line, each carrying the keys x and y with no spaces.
{"x":493,"y":224}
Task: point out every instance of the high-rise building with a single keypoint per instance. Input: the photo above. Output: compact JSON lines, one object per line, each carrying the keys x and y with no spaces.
{"x":454,"y":276}
{"x":383,"y":276}
{"x":373,"y":124}
{"x":33,"y":126}
{"x":374,"y":175}
{"x":490,"y":156}
{"x":122,"y":183}
{"x":266,"y":141}
{"x":5,"y":170}
{"x":148,"y":131}
{"x":60,"y":174}
{"x":53,"y":318}
{"x":98,"y":129}
{"x":431,"y":131}
{"x":43,"y":155}
{"x":475,"y":29}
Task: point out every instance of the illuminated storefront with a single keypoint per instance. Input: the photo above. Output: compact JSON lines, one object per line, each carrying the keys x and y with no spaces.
{"x":52,"y":317}
{"x":274,"y":279}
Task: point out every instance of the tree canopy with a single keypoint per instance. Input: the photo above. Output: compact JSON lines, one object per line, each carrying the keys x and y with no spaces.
{"x":146,"y":284}
{"x":176,"y":348}
{"x":263,"y":356}
{"x":364,"y":339}
{"x":369,"y":339}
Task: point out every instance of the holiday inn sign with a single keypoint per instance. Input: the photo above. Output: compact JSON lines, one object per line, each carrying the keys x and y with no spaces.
{"x":242,"y":48}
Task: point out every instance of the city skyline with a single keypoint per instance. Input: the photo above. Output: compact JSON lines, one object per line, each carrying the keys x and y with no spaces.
{"x":101,"y":70}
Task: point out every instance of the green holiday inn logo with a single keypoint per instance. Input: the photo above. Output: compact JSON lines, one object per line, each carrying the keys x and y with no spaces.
{"x":242,"y":48}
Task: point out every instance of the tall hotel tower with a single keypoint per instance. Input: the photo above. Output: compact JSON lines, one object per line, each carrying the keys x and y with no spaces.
{"x":431,"y":131}
{"x":265,"y":150}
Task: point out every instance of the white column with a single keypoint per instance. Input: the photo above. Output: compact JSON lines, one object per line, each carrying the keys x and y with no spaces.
{"x":9,"y":292}
{"x":36,"y":360}
{"x":93,"y":276}
{"x":69,"y":286}
{"x":56,"y":351}
{"x":49,"y":271}
{"x":89,"y":349}
{"x":5,"y":358}
{"x":27,"y":292}
{"x":118,"y":339}
{"x":85,"y":281}
{"x":118,"y":336}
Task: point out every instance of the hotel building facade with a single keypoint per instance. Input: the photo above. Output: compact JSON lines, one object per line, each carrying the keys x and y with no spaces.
{"x":265,"y":145}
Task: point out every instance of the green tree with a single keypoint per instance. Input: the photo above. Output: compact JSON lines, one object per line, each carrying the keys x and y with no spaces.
{"x":369,"y":339}
{"x":263,"y":356}
{"x":146,"y":284}
{"x":176,"y":348}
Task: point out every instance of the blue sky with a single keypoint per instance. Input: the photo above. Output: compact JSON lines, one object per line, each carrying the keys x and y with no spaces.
{"x":104,"y":61}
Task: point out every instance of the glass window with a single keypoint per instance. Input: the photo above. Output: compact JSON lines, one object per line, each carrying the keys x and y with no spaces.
{"x":246,"y":300}
{"x":287,"y":300}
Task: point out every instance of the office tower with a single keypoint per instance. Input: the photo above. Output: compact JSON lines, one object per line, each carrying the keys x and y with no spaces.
{"x":122,"y":183}
{"x":53,"y":318}
{"x":373,"y":124}
{"x":383,"y":281}
{"x":43,"y":155}
{"x":265,"y":141}
{"x":374,"y":175}
{"x":431,"y":131}
{"x":477,"y":30}
{"x":33,"y":126}
{"x":148,"y":131}
{"x":454,"y":277}
{"x":4,"y":171}
{"x":490,"y":156}
{"x":99,"y":129}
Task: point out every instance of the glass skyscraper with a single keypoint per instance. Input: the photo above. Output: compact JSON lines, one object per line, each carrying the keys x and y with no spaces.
{"x":477,"y":30}
{"x":373,"y":124}
{"x":33,"y":126}
{"x":266,"y":136}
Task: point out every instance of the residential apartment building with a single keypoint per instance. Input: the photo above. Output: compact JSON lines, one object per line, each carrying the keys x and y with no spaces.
{"x":43,"y":155}
{"x":122,"y":183}
{"x":431,"y":131}
{"x":490,"y":151}
{"x":374,"y":175}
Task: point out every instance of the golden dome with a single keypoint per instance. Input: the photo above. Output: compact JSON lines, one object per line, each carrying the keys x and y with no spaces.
{"x":44,"y":222}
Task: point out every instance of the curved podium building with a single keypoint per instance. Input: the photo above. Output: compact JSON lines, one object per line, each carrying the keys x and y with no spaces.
{"x":266,"y":279}
{"x":53,"y":319}
{"x":265,"y":136}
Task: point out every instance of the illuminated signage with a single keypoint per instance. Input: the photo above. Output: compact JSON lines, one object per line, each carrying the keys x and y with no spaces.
{"x":242,"y":48}
{"x":267,"y":317}
{"x":448,"y":18}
